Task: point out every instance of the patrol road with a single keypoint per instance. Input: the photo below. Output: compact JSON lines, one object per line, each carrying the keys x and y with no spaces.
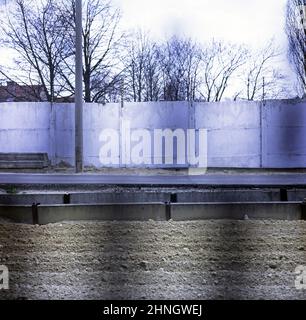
{"x":219,"y":180}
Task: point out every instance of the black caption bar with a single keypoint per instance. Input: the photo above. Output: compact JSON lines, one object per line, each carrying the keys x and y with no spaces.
{"x":151,"y":309}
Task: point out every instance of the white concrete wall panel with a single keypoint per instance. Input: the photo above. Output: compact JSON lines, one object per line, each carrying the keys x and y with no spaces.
{"x":240,"y":134}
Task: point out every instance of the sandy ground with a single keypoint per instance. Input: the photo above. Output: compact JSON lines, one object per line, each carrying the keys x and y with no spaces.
{"x":154,"y":260}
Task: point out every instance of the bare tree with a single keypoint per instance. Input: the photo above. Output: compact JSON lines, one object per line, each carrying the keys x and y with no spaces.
{"x":180,"y":60}
{"x":261,"y":78}
{"x":152,"y":73}
{"x":142,"y":68}
{"x":134,"y":63}
{"x":43,"y":34}
{"x":219,"y":63}
{"x":296,"y":32}
{"x":101,"y":40}
{"x":179,"y":69}
{"x":33,"y":30}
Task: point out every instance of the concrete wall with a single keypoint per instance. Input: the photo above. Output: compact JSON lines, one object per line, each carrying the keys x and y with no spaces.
{"x":171,"y":115}
{"x":284,"y":134}
{"x":240,"y":134}
{"x":24,"y":127}
{"x":96,"y":118}
{"x":233,"y":133}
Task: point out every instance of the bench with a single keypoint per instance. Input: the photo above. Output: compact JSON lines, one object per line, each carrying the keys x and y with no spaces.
{"x":24,"y":161}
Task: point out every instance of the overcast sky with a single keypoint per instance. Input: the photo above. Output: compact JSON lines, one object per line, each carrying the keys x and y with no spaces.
{"x":252,"y":22}
{"x":248,"y":21}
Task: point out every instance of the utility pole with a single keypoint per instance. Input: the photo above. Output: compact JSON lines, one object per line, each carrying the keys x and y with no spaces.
{"x":78,"y":88}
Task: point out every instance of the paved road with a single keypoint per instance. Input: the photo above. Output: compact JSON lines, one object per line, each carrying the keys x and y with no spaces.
{"x":254,"y":180}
